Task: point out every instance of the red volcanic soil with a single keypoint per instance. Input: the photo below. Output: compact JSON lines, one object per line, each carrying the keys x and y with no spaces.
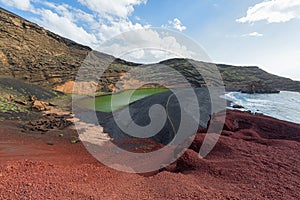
{"x":256,"y":157}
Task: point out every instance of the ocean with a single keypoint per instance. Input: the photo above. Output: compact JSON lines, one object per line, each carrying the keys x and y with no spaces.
{"x":284,"y":106}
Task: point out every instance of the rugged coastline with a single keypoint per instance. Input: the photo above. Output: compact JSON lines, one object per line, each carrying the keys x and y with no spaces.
{"x":42,"y":156}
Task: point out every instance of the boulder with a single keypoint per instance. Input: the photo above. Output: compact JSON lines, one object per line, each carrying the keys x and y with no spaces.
{"x":9,"y":97}
{"x":238,"y":106}
{"x":40,"y":106}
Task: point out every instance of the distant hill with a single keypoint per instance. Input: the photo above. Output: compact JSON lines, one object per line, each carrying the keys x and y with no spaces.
{"x":32,"y":54}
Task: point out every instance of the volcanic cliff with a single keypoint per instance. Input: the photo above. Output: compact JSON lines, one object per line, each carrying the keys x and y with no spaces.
{"x":32,"y":54}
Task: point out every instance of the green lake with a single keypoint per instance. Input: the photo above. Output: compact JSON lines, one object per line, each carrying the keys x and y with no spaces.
{"x":104,"y":103}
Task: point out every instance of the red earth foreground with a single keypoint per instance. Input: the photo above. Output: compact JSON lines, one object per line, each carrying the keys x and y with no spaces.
{"x":257,"y":157}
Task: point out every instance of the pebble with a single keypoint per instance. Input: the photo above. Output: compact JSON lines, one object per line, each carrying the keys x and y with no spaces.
{"x":49,"y":143}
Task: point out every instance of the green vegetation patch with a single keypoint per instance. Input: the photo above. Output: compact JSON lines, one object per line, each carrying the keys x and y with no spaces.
{"x":11,"y":110}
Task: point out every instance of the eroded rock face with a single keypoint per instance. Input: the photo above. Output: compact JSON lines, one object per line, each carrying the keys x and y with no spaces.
{"x":78,"y":88}
{"x":31,"y":53}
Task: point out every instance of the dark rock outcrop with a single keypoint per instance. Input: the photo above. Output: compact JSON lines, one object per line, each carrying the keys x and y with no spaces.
{"x":48,"y":122}
{"x":238,"y":106}
{"x":258,"y":87}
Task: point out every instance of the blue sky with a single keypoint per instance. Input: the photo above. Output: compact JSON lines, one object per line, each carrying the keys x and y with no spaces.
{"x":249,"y":32}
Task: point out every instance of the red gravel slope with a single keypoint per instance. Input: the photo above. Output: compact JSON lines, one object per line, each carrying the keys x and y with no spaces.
{"x":257,"y":157}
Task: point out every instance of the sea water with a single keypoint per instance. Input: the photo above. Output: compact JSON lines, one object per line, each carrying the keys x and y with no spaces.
{"x":284,"y":106}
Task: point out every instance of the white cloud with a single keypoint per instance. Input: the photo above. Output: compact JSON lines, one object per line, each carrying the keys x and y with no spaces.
{"x":273,"y":11}
{"x":137,"y":18}
{"x":118,"y":8}
{"x":102,"y":27}
{"x":147,"y":45}
{"x":253,"y":34}
{"x":256,"y":34}
{"x":73,"y":14}
{"x":65,"y":27}
{"x":177,"y":24}
{"x":20,"y":4}
{"x":64,"y":21}
{"x":114,"y":28}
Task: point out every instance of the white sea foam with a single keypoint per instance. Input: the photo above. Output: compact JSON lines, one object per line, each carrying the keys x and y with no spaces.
{"x":284,"y":106}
